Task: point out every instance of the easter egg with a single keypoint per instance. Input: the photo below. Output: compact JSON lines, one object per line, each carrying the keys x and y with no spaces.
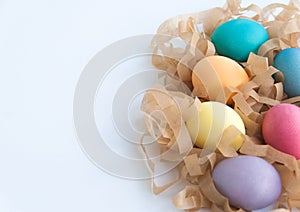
{"x":288,"y":62}
{"x":248,"y":182}
{"x":281,"y":128}
{"x":238,"y":37}
{"x":213,"y":118}
{"x":217,"y":72}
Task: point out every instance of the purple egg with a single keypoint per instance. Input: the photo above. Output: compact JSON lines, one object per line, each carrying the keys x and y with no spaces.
{"x":248,"y":182}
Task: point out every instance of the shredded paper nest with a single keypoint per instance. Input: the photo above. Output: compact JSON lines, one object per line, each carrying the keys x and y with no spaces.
{"x":169,"y":106}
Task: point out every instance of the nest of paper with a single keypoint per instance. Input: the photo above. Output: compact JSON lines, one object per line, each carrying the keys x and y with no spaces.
{"x":177,"y":101}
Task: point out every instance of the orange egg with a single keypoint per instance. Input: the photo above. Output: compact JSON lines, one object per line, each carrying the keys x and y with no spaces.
{"x":212,"y":74}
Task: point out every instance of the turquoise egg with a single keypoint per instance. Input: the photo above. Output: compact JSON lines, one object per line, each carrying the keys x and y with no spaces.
{"x":288,"y":62}
{"x":237,"y":38}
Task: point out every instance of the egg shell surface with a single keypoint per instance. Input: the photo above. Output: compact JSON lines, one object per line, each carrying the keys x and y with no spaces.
{"x":217,"y":72}
{"x":237,"y":38}
{"x":248,"y":182}
{"x":213,"y":119}
{"x":281,"y":128}
{"x":288,"y":62}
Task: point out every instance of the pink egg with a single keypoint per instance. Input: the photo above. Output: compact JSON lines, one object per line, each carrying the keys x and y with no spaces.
{"x":281,"y":128}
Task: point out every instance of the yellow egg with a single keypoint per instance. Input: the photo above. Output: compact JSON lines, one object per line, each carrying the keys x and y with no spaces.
{"x":214,"y":117}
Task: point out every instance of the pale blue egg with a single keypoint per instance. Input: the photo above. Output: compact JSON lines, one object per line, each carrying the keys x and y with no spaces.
{"x":288,"y":62}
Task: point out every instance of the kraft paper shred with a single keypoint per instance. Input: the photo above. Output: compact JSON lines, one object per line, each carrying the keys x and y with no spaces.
{"x":169,"y":106}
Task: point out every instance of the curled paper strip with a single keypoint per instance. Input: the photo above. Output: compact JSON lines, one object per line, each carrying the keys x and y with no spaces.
{"x":169,"y":106}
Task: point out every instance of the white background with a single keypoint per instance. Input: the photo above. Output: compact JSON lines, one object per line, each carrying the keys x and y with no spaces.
{"x":44,"y":45}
